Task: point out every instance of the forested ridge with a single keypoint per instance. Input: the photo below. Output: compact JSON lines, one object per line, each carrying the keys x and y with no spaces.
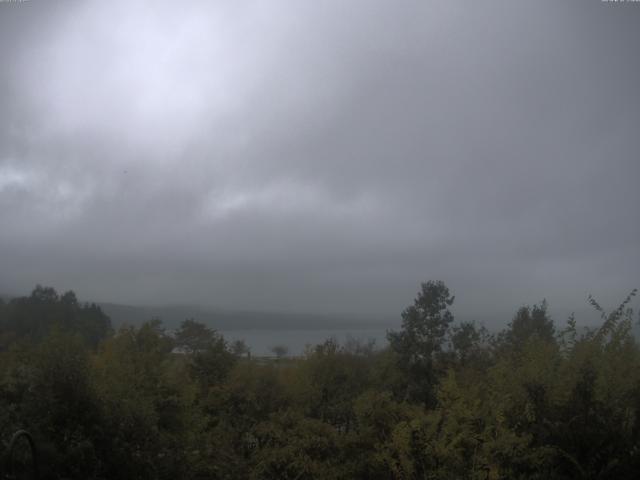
{"x":444,"y":399}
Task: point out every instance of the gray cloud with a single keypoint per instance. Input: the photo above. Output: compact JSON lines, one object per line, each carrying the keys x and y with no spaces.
{"x":320,"y":156}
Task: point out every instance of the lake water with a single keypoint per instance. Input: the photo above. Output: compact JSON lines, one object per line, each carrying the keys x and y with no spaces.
{"x":261,"y":341}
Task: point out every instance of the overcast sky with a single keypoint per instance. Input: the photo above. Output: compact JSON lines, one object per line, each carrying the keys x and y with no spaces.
{"x":321,"y":156}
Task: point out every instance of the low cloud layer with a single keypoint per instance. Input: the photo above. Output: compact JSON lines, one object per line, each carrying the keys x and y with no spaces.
{"x":320,"y":156}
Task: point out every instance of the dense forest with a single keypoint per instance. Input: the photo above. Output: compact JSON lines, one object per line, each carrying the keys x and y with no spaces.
{"x":443,"y":400}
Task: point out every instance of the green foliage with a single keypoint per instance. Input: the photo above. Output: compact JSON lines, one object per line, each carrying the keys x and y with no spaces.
{"x":32,"y":318}
{"x":291,"y":446}
{"x":193,"y":337}
{"x":144,"y":402}
{"x":425,"y":325}
{"x":208,"y":355}
{"x":51,"y":393}
{"x":529,"y":322}
{"x":443,"y":401}
{"x":469,"y":345}
{"x":335,"y":377}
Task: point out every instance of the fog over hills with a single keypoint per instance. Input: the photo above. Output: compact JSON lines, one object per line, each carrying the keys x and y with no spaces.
{"x":226,"y":319}
{"x":221,"y":319}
